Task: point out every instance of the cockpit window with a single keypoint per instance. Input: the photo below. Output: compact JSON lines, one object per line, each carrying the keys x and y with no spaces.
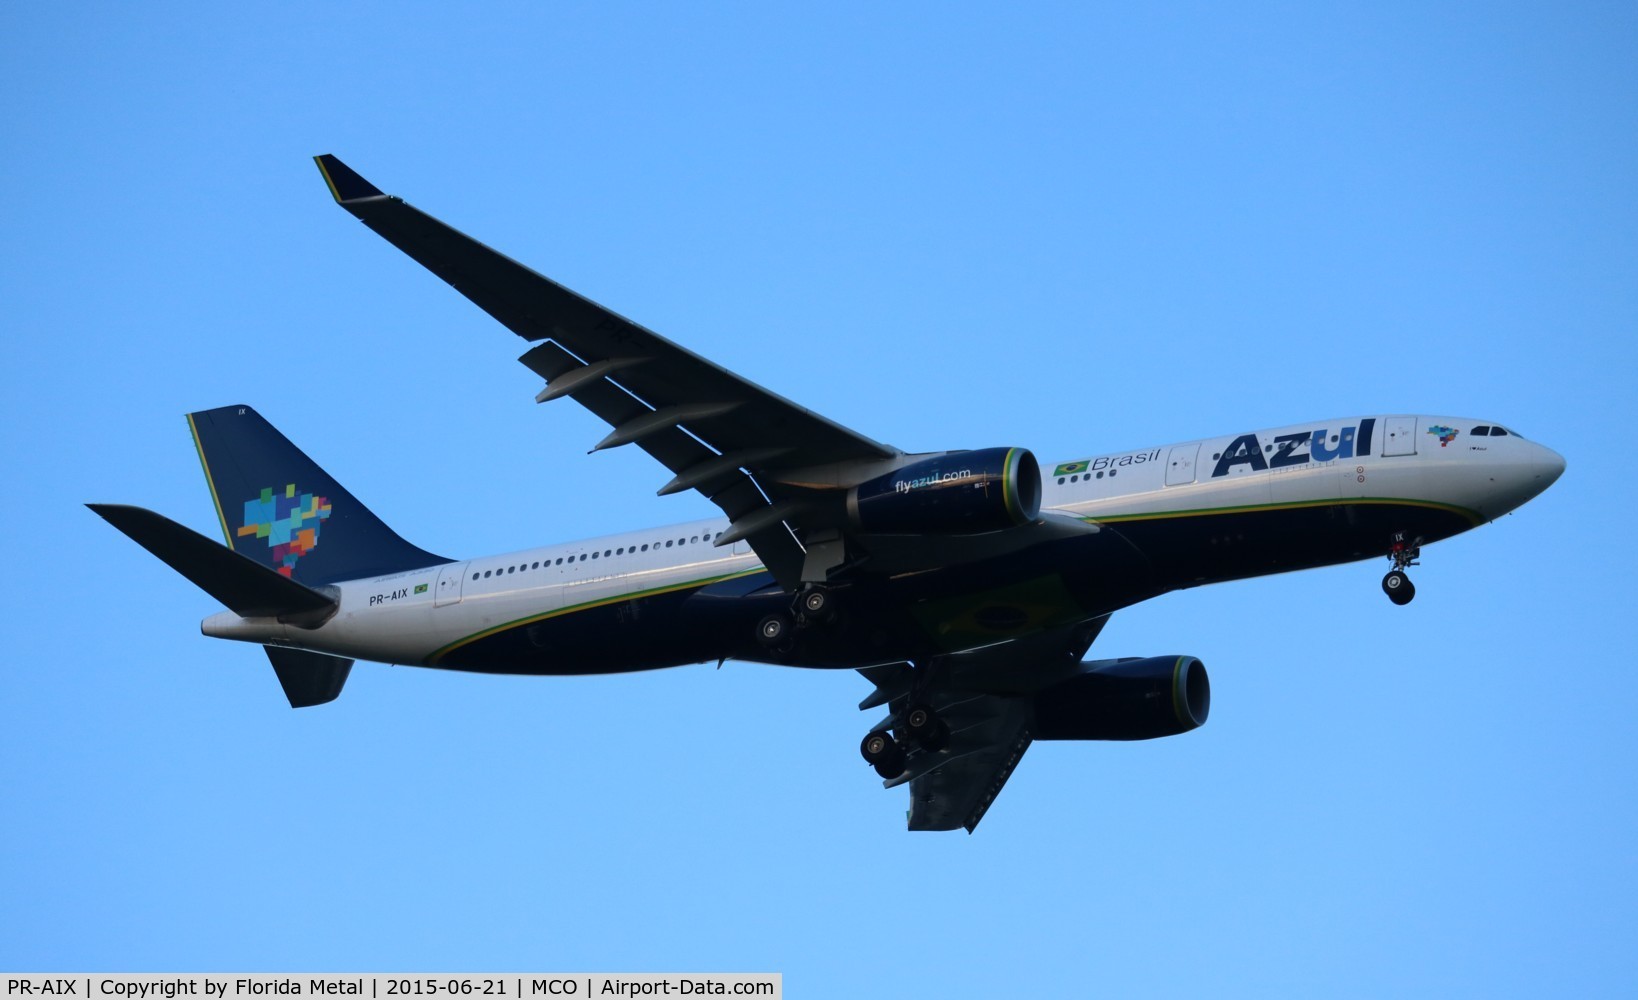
{"x":1481,"y":431}
{"x":1498,"y":432}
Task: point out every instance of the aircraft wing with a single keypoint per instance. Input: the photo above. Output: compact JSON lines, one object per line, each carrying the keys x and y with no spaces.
{"x":958,"y":794}
{"x":990,"y":715}
{"x":718,"y":433}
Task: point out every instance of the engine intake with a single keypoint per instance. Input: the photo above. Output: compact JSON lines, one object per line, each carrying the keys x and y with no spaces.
{"x":963,"y":492}
{"x":1136,"y":699}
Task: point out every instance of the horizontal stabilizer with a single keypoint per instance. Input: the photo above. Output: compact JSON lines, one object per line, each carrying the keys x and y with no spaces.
{"x":247,"y":588}
{"x":308,"y":678}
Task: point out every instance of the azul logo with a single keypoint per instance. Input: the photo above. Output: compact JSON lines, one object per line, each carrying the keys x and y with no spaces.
{"x":1297,"y":448}
{"x":288,"y":521}
{"x":1443,"y":433}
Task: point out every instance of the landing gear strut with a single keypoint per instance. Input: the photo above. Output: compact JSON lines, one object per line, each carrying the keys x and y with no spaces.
{"x":1396,"y":584}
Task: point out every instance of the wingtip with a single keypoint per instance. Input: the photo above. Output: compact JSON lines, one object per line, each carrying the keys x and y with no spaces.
{"x":344,"y":183}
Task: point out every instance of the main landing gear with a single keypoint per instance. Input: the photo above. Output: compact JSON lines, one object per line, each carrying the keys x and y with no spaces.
{"x":1396,"y":584}
{"x":813,"y":605}
{"x":915,"y":726}
{"x":919,"y":726}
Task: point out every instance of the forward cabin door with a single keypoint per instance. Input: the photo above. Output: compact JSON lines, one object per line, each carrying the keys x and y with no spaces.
{"x":1180,"y":464}
{"x":450,"y":578}
{"x":1398,"y":436}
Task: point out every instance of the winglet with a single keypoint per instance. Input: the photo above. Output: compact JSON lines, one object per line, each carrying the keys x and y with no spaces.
{"x":345,"y":184}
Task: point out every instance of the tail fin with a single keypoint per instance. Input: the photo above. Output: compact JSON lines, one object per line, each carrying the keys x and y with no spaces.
{"x":280,"y":509}
{"x":308,"y":678}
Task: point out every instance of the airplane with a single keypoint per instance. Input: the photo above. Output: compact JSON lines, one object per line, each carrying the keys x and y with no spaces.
{"x":966,"y":586}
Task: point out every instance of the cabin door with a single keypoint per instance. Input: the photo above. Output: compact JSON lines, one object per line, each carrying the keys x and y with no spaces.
{"x":1399,"y":436}
{"x":450,"y":578}
{"x":1180,"y":464}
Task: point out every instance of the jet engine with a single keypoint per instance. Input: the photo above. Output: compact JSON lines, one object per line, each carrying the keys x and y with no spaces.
{"x":1132,"y":699}
{"x":962,"y":492}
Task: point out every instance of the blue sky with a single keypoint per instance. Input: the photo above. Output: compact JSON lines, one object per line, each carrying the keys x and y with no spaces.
{"x":1076,"y":228}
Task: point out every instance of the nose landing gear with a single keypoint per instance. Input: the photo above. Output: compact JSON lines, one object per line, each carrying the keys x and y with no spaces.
{"x":1404,"y":554}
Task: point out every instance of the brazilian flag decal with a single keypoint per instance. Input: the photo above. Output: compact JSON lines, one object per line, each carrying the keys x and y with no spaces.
{"x":420,"y":588}
{"x":1071,"y":468}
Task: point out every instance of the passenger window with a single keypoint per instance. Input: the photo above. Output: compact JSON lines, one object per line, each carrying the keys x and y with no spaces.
{"x":1100,"y":475}
{"x":1060,"y":480}
{"x":559,"y":561}
{"x":668,"y":543}
{"x":1113,"y":471}
{"x":594,"y":555}
{"x":607,"y":553}
{"x":645,"y":546}
{"x":1483,"y":430}
{"x":705,"y":537}
{"x":486,"y":574}
{"x":694,"y":539}
{"x":582,"y":557}
{"x":474,"y":576}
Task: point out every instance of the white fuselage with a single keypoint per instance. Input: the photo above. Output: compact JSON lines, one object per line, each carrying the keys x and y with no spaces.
{"x":415,"y":617}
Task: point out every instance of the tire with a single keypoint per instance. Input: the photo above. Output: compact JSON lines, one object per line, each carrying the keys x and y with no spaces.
{"x":816,"y":606}
{"x":923,"y":725}
{"x":774,"y":632}
{"x":888,"y":770}
{"x":883,"y":753}
{"x":1398,"y":588}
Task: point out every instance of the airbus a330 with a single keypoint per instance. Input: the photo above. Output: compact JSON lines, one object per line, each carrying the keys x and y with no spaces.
{"x":966,"y":586}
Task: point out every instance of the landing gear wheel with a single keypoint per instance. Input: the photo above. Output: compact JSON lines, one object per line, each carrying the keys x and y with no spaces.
{"x":816,"y":605}
{"x":925,"y":727}
{"x":774,"y":632}
{"x":883,"y":753}
{"x":1398,"y":587}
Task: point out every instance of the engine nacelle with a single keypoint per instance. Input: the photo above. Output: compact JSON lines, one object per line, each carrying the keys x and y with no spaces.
{"x":1126,"y":700}
{"x":964,"y":492}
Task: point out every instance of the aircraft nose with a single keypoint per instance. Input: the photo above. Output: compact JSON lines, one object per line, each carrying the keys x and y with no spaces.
{"x":1549,"y":465}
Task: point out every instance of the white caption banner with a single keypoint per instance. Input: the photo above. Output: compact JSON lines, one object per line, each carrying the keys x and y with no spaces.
{"x":382,"y":986}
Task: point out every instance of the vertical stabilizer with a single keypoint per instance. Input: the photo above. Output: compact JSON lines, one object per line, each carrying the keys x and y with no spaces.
{"x":278,"y":508}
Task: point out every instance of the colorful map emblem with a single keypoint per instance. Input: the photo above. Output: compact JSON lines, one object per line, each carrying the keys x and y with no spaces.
{"x":288,"y":521}
{"x":1443,"y":433}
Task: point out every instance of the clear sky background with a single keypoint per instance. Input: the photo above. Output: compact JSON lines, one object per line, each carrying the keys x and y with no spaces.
{"x":1076,"y":228}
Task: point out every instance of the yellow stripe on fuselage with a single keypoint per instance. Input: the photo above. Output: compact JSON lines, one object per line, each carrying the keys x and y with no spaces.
{"x":1158,"y":515}
{"x":443,"y":651}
